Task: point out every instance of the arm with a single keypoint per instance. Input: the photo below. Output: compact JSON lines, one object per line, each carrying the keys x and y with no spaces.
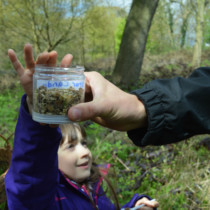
{"x":32,"y":177}
{"x":167,"y":111}
{"x":176,"y":108}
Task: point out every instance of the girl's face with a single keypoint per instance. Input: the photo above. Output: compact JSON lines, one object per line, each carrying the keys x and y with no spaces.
{"x":74,"y":158}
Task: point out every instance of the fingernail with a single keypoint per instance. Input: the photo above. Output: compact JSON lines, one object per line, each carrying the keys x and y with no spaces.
{"x":76,"y":114}
{"x":10,"y":50}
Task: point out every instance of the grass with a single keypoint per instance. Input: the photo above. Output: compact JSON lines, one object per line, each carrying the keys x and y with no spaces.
{"x":177,"y":176}
{"x":10,"y":102}
{"x":2,"y":206}
{"x":188,"y":185}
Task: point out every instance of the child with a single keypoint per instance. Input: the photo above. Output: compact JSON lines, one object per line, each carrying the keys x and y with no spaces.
{"x":34,"y":180}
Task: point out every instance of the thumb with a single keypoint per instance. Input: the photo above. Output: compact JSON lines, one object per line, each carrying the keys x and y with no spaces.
{"x":84,"y":111}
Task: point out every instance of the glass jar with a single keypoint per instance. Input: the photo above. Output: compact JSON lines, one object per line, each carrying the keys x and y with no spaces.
{"x":55,"y":90}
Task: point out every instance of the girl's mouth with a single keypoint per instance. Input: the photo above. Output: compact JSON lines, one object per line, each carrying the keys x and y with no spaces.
{"x":83,"y":165}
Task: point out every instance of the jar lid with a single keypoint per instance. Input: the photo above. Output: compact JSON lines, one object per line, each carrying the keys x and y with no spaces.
{"x":47,"y":68}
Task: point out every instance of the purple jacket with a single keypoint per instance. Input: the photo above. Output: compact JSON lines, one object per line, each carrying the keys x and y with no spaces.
{"x":34,"y":182}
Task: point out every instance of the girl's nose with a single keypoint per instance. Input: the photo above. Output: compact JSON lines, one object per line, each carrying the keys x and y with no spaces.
{"x":83,"y":151}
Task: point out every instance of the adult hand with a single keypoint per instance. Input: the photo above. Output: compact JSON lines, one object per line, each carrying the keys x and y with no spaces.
{"x":149,"y":205}
{"x":108,"y":105}
{"x":26,"y":74}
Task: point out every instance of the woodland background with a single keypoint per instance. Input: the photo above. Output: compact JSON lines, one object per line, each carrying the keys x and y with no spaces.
{"x":130,"y":44}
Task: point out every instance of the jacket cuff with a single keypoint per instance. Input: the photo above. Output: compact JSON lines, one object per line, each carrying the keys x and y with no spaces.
{"x":155,"y":113}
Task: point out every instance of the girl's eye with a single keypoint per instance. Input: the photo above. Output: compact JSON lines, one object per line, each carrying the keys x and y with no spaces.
{"x":84,"y":143}
{"x":70,"y":146}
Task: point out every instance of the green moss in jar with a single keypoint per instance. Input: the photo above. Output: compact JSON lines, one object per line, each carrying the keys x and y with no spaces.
{"x":56,"y":101}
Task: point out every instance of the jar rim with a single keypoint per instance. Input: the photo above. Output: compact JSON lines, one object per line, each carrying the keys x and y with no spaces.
{"x":43,"y":67}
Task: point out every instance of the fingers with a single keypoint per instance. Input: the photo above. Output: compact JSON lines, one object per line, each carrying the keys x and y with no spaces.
{"x":67,"y":60}
{"x":88,"y":91}
{"x":15,"y":62}
{"x":94,"y":82}
{"x":50,"y":125}
{"x":42,"y":58}
{"x":53,"y":125}
{"x":147,"y":202}
{"x":28,"y":56}
{"x":47,"y":58}
{"x":52,"y":58}
{"x":84,"y":111}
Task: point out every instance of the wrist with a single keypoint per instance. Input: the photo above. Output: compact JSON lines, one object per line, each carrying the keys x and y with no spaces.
{"x":140,"y":118}
{"x":29,"y":104}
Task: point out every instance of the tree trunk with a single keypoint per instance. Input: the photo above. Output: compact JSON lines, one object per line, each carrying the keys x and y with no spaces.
{"x":199,"y":33}
{"x":170,"y":20}
{"x":131,"y":54}
{"x":184,"y":30}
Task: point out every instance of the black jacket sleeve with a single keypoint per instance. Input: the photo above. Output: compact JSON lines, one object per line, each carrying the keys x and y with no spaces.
{"x":177,"y":108}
